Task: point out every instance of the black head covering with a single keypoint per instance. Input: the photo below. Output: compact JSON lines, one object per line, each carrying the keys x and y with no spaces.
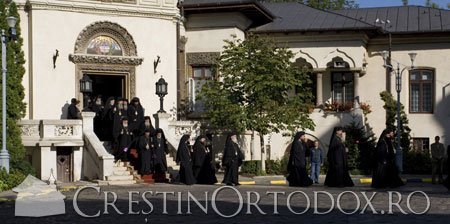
{"x":124,"y":118}
{"x":183,"y":140}
{"x":135,"y":99}
{"x":73,"y":100}
{"x":159,"y":130}
{"x":337,"y":128}
{"x":228,"y":140}
{"x":147,"y":130}
{"x":384,"y":133}
{"x":147,"y":118}
{"x":298,"y":135}
{"x":199,"y":138}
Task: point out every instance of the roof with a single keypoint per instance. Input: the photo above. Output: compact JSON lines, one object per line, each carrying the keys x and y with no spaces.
{"x":253,"y":9}
{"x":403,"y":19}
{"x":293,"y":16}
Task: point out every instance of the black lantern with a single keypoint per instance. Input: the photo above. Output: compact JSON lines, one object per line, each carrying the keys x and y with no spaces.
{"x":86,"y":89}
{"x":161,"y":91}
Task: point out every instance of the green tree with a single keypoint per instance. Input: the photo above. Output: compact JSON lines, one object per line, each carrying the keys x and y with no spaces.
{"x":251,"y":90}
{"x":361,"y":145}
{"x":323,"y":4}
{"x":405,"y":2}
{"x":390,"y":105}
{"x":16,"y":107}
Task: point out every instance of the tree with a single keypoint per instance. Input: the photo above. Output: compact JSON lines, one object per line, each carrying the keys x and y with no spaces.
{"x":16,"y":108}
{"x":405,"y":2}
{"x":430,"y":4}
{"x":251,"y":90}
{"x":390,"y":105}
{"x":323,"y":4}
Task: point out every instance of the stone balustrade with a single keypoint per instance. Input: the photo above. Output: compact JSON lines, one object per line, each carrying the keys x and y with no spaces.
{"x":51,"y":132}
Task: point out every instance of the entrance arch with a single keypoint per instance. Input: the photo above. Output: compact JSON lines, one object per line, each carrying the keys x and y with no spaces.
{"x":106,"y":49}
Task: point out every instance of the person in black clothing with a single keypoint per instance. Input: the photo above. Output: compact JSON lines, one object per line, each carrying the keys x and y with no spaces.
{"x":136,"y":115}
{"x":123,"y":138}
{"x":447,"y":180}
{"x":146,"y":124}
{"x":198,"y":156}
{"x":108,"y":119}
{"x":231,"y":160}
{"x":298,"y":175}
{"x":337,"y":175}
{"x":185,"y":161}
{"x":146,"y":147}
{"x":385,"y":172}
{"x":73,"y":111}
{"x":207,"y":174}
{"x":98,"y":107}
{"x":159,"y":152}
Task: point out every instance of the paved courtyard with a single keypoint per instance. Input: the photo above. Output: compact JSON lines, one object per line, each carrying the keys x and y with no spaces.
{"x":227,"y":203}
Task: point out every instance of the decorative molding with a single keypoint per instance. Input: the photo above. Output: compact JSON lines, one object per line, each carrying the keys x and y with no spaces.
{"x":101,"y":59}
{"x":30,"y":130}
{"x":106,"y":28}
{"x":202,"y":58}
{"x":64,"y":130}
{"x":117,"y":1}
{"x":310,"y":57}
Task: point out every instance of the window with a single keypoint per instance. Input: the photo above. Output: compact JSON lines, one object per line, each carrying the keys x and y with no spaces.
{"x":311,"y":86}
{"x":199,"y":78}
{"x":421,"y":91}
{"x":342,"y":87}
{"x":421,"y":144}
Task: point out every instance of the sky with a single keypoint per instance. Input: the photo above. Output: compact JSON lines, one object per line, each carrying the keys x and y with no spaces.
{"x":381,"y":3}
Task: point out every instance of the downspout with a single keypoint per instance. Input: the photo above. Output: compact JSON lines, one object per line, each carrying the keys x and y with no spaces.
{"x":178,"y":57}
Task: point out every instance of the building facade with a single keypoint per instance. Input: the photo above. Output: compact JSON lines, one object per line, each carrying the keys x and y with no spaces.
{"x":125,"y":46}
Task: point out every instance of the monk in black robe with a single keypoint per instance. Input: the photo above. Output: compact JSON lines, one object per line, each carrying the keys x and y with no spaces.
{"x":160,"y":151}
{"x":337,"y":175}
{"x":198,"y":155}
{"x":146,"y":146}
{"x":108,"y":119}
{"x":136,"y":115}
{"x":385,"y":172}
{"x":98,"y":107}
{"x":123,"y":138}
{"x":232,"y":160}
{"x":184,"y":159}
{"x":146,"y":124}
{"x":447,"y":180}
{"x":73,"y":111}
{"x":207,"y":174}
{"x":298,"y":175}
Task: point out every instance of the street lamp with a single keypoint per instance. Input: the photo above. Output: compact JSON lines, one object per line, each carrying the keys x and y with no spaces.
{"x":398,"y":86}
{"x":161,"y":91}
{"x":4,"y":155}
{"x":86,"y":89}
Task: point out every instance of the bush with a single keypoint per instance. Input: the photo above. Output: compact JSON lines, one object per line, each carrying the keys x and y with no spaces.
{"x":11,"y":180}
{"x":416,"y":162}
{"x":273,"y":167}
{"x":361,"y":146}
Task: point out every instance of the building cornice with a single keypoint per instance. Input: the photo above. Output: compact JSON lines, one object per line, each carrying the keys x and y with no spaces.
{"x":100,"y":59}
{"x":122,"y":9}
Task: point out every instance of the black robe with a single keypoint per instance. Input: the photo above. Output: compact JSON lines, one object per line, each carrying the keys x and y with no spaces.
{"x":231,"y":160}
{"x":136,"y":117}
{"x":184,"y":159}
{"x":146,"y":153}
{"x":447,"y":180}
{"x":337,"y":175}
{"x":298,"y":175}
{"x":72,"y":112}
{"x":108,"y":120}
{"x":123,"y":139}
{"x":142,"y":128}
{"x":160,"y":151}
{"x":385,"y":172}
{"x":98,"y":124}
{"x":198,"y":157}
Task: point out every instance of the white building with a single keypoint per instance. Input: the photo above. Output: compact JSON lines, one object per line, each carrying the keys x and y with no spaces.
{"x":342,"y":48}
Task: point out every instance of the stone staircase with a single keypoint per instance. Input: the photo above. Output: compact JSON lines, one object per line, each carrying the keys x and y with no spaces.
{"x":122,"y":174}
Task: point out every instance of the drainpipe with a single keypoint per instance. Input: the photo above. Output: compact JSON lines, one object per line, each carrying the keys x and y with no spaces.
{"x":179,"y":21}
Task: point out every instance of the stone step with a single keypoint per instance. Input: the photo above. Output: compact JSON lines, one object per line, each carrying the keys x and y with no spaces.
{"x":119,"y":168}
{"x":112,"y":178}
{"x":121,"y":173}
{"x":121,"y":182}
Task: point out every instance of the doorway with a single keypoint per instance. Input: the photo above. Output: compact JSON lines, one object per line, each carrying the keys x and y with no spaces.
{"x":64,"y":164}
{"x":113,"y":85}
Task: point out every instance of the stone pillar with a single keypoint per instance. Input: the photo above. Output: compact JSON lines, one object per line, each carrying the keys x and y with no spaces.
{"x":356,"y":90}
{"x":48,"y":162}
{"x":88,"y":120}
{"x":319,"y":91}
{"x":162,"y":120}
{"x":77,"y":162}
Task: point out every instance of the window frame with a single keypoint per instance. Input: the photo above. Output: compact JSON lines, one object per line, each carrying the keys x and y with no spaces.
{"x":203,"y":67}
{"x":420,"y":82}
{"x":332,"y":74}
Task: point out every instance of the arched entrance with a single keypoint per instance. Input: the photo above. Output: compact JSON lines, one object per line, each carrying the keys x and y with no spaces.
{"x":106,"y":52}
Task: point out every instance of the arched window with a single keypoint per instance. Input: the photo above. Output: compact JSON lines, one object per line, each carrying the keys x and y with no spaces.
{"x":104,"y":45}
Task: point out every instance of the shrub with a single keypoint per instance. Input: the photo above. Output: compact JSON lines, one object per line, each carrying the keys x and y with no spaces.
{"x":8,"y":181}
{"x":416,"y":162}
{"x":361,"y":146}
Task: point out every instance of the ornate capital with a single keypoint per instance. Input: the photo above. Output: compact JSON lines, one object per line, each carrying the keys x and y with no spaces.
{"x":202,"y":58}
{"x":101,"y":59}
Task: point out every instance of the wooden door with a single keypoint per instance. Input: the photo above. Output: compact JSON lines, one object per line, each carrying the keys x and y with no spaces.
{"x":64,"y":164}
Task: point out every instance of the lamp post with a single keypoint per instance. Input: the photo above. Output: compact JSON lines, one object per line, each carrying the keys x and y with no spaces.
{"x":161,"y":91}
{"x":4,"y":155}
{"x":398,"y":86}
{"x":86,"y":89}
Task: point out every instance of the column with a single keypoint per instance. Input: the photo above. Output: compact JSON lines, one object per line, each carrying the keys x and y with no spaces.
{"x":48,"y":163}
{"x":319,"y":97}
{"x":356,"y":90}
